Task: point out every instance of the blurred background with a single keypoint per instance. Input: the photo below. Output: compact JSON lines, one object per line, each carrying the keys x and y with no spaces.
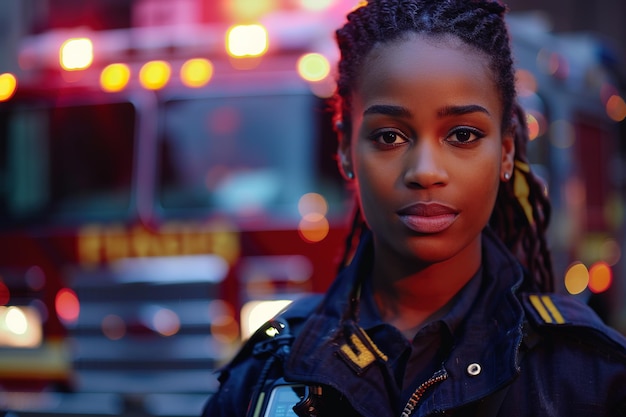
{"x":167,"y":183}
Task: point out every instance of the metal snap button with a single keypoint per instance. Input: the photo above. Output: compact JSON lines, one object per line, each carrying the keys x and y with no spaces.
{"x":474,"y":369}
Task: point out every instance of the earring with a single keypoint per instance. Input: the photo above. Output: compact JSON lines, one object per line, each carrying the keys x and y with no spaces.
{"x":507,"y":176}
{"x":350,"y":175}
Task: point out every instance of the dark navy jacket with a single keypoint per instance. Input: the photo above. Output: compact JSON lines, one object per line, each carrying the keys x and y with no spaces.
{"x":517,"y":353}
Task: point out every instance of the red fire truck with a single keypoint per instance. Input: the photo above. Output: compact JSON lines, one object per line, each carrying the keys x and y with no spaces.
{"x":165,"y":188}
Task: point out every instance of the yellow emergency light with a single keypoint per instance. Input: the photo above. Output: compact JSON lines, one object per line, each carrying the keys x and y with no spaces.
{"x":8,"y":85}
{"x":196,"y":72}
{"x":154,"y":75}
{"x":114,"y":77}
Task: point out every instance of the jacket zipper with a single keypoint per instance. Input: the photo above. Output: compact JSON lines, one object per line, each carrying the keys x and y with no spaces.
{"x":417,"y":395}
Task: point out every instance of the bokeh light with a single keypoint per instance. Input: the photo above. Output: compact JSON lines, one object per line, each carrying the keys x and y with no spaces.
{"x":8,"y":86}
{"x":611,"y":251}
{"x":76,"y":54}
{"x":196,"y":72}
{"x":558,"y":66}
{"x":313,"y":67}
{"x":247,"y":41}
{"x":312,"y":206}
{"x":576,"y":278}
{"x":114,"y":77}
{"x":166,"y":322}
{"x":313,"y":230}
{"x":20,"y":327}
{"x":154,"y":75}
{"x":15,"y":320}
{"x":616,"y":108}
{"x":600,"y":277}
{"x":525,"y":82}
{"x":67,"y":305}
{"x":536,"y":124}
{"x":113,"y":327}
{"x":314,"y":226}
{"x":41,"y":308}
{"x":35,"y":278}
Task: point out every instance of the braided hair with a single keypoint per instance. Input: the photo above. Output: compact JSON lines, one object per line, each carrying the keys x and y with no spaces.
{"x":519,"y":221}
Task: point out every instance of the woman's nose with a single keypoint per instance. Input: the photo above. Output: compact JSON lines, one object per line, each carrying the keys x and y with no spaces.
{"x":425,"y":165}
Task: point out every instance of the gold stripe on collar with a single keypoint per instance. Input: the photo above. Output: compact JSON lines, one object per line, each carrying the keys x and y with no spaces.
{"x":361,"y":351}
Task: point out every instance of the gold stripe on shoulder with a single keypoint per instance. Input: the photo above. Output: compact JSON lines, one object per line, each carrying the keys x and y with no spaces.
{"x":546,"y":309}
{"x":547,"y":301}
{"x":536,"y":302}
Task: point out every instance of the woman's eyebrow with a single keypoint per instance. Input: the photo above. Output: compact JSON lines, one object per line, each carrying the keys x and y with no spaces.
{"x":460,"y":110}
{"x":388,"y":110}
{"x":399,"y":111}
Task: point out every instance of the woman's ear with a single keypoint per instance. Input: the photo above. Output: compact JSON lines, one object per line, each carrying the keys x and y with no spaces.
{"x":508,"y":155}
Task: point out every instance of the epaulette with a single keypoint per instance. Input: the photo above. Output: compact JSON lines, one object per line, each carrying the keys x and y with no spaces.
{"x":547,"y":311}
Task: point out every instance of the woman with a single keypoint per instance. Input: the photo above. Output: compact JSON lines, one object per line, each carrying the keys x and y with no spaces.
{"x":445,"y":306}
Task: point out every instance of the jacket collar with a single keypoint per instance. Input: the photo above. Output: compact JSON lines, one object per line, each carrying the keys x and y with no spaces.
{"x":491,"y":337}
{"x":333,"y":350}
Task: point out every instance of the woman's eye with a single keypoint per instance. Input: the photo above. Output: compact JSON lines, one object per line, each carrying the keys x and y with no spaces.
{"x":464,"y":135}
{"x":389,"y":138}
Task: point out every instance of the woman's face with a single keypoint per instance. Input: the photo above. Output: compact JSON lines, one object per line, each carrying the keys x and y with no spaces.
{"x":427,"y":148}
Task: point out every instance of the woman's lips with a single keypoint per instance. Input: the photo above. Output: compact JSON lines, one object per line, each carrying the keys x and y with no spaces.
{"x":428,"y":218}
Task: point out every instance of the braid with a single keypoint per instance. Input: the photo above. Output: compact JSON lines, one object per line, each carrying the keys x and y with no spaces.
{"x":525,"y":237}
{"x":358,"y":228}
{"x":480,"y":24}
